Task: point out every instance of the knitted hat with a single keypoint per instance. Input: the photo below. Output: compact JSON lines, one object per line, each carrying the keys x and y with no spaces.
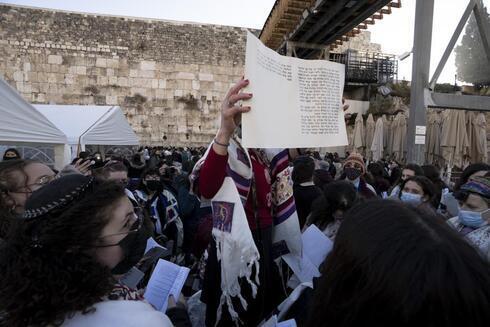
{"x":57,"y":195}
{"x":356,"y":158}
{"x":478,"y":185}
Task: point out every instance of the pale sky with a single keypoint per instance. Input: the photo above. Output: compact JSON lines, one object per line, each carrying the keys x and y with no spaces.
{"x":394,"y":32}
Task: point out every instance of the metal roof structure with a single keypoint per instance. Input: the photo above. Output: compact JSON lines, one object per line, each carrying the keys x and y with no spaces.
{"x":320,"y":22}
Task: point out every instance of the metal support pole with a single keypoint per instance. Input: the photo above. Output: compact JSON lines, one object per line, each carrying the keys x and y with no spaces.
{"x":452,"y":42}
{"x":483,"y":27}
{"x":424,"y":11}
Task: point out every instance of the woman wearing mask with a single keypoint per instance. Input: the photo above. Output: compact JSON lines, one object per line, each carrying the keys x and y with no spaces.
{"x":409,"y":170}
{"x":473,"y":220}
{"x":11,"y":154}
{"x":161,"y":206}
{"x":418,"y":191}
{"x":59,"y":266}
{"x":18,"y":179}
{"x":354,"y":171}
{"x":329,"y":209}
{"x":449,"y":204}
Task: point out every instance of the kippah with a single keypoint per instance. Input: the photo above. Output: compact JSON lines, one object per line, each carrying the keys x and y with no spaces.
{"x":56,"y":195}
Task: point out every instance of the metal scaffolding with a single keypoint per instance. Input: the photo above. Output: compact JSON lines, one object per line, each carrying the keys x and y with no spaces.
{"x":422,"y":95}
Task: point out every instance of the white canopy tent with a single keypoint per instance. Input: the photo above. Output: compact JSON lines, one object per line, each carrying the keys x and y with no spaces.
{"x":22,"y":125}
{"x":90,"y":125}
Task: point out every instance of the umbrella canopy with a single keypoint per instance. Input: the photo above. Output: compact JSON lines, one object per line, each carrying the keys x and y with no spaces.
{"x":399,"y":127}
{"x":370,"y":126}
{"x":478,"y":143}
{"x":470,"y":117}
{"x":454,"y":138}
{"x":387,"y":141}
{"x":433,"y":142}
{"x":378,"y":145}
{"x":358,"y":137}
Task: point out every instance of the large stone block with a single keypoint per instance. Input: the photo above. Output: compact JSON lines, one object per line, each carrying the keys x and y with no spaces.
{"x":55,"y":59}
{"x":206,"y":77}
{"x":185,"y":75}
{"x":147,"y":65}
{"x":101,"y":62}
{"x":18,"y":76}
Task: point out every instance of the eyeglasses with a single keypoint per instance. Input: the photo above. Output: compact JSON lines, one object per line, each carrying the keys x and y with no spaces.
{"x":135,"y":227}
{"x":29,"y":188}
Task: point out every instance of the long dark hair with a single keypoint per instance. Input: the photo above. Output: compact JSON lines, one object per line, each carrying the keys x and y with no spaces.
{"x":392,"y":265}
{"x":41,"y":285}
{"x":337,"y":195}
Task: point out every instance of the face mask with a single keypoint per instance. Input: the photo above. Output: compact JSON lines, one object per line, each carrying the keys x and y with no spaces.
{"x":352,"y":173}
{"x":471,"y":218}
{"x":410,"y":198}
{"x":153,"y":185}
{"x":133,"y":246}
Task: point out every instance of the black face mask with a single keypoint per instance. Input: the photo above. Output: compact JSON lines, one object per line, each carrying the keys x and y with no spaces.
{"x":352,"y":173}
{"x":154,"y":185}
{"x":133,"y":246}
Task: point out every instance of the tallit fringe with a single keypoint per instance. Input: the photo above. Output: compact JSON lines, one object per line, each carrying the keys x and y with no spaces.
{"x":233,"y":287}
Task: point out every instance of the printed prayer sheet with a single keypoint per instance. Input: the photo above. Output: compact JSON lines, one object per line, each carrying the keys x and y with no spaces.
{"x":296,"y":103}
{"x":167,"y":279}
{"x":316,"y":246}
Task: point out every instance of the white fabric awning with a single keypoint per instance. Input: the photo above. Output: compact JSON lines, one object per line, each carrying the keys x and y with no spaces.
{"x":21,"y":122}
{"x":91,"y":125}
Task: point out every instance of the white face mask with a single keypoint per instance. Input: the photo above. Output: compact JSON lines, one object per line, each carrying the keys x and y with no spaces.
{"x":410,"y":198}
{"x":472,"y":218}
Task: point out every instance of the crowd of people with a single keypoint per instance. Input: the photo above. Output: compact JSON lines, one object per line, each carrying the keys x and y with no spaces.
{"x":409,"y":249}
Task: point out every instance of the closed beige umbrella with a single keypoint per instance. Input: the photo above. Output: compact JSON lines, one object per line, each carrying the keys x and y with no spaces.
{"x":358,"y":137}
{"x":470,"y":132}
{"x":454,"y":140}
{"x":399,"y":136}
{"x":370,"y":126}
{"x":479,"y":139}
{"x":433,"y":141}
{"x":386,"y":133}
{"x":378,"y":144}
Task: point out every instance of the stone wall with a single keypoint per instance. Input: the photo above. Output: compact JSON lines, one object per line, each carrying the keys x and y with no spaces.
{"x":169,"y":77}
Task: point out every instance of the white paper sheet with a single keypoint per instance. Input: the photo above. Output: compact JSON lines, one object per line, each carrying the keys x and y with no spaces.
{"x":272,"y":322}
{"x":296,"y":103}
{"x":316,"y":246}
{"x":167,"y":279}
{"x":151,"y":243}
{"x":287,"y":323}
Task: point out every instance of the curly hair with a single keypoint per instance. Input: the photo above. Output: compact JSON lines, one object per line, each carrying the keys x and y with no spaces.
{"x":48,"y":265}
{"x":338,"y":195}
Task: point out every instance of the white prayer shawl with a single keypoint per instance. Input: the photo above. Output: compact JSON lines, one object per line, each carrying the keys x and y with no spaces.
{"x":236,"y":250}
{"x":121,"y":314}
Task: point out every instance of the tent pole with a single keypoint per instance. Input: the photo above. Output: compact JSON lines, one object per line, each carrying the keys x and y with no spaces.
{"x":420,"y":77}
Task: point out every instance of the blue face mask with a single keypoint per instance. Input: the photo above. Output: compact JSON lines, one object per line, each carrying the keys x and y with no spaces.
{"x":471,"y":218}
{"x":410,"y":198}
